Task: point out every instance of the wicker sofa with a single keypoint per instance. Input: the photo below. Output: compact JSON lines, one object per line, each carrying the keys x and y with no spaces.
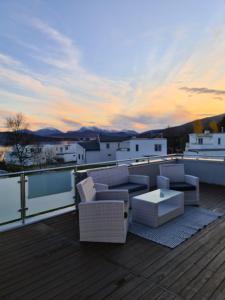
{"x":119,"y":178}
{"x":103,"y":215}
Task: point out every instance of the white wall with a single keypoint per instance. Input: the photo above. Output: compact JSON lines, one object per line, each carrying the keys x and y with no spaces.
{"x":146,"y":147}
{"x":66,"y":151}
{"x":93,"y":157}
{"x":81,"y":154}
{"x":107,"y":153}
{"x":211,"y":172}
{"x":210,"y":144}
{"x":108,"y":150}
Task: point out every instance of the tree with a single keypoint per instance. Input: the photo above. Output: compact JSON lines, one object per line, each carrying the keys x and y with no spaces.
{"x":213,"y":126}
{"x":49,"y":155}
{"x":18,"y":137}
{"x":222,"y":124}
{"x":197,"y":126}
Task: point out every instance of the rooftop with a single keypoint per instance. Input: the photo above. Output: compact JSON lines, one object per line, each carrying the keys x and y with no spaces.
{"x":46,"y":260}
{"x":90,"y":145}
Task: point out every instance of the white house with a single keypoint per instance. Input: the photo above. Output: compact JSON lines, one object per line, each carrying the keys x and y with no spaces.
{"x":66,"y":152}
{"x":206,"y":144}
{"x":101,"y":150}
{"x":141,"y":147}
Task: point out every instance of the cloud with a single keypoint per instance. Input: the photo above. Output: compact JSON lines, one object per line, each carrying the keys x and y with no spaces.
{"x":66,"y":56}
{"x":150,"y":120}
{"x":71,"y":123}
{"x":130,"y":120}
{"x":9,"y":61}
{"x":203,"y":90}
{"x":219,"y":98}
{"x":64,"y":91}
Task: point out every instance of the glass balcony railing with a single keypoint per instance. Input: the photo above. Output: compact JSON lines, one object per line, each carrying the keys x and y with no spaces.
{"x":29,"y":195}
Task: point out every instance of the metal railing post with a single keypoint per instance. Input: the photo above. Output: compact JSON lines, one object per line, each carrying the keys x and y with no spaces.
{"x":76,"y":195}
{"x":23,"y":207}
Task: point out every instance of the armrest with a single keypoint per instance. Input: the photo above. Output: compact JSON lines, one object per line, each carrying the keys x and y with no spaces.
{"x":113,"y":195}
{"x":98,"y":209}
{"x":101,"y":187}
{"x":142,"y":179}
{"x":193,"y":180}
{"x":163,"y":182}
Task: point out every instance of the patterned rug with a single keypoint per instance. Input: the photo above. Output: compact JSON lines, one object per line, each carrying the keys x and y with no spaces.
{"x":178,"y":230}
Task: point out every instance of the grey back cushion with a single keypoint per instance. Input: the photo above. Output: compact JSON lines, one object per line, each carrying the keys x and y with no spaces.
{"x":175,"y":172}
{"x":110,"y":176}
{"x":86,"y":190}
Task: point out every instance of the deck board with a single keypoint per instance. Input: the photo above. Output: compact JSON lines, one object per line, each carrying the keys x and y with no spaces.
{"x":46,"y":260}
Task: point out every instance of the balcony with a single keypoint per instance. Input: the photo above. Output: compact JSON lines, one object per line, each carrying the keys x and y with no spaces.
{"x":45,"y":259}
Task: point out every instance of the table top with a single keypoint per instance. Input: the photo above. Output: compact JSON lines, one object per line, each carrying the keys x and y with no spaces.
{"x":157,"y":196}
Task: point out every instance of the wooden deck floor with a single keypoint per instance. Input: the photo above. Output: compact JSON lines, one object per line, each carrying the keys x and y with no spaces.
{"x":46,"y":261}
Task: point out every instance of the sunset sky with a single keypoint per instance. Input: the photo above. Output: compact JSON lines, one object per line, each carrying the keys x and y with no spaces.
{"x":130,"y":64}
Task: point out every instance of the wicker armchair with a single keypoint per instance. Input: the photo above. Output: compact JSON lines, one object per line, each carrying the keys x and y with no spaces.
{"x":103,"y":215}
{"x":172,"y":176}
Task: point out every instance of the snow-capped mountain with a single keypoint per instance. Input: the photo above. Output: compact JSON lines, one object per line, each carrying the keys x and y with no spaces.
{"x":84,"y":131}
{"x":49,"y":131}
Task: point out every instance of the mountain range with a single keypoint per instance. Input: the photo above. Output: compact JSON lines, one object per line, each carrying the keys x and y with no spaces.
{"x":83,"y":132}
{"x":177,"y":136}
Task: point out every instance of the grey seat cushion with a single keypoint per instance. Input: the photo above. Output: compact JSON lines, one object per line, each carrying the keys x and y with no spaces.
{"x":131,"y":187}
{"x":182,"y":186}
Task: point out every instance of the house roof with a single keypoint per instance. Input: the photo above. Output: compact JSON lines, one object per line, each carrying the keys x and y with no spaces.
{"x":90,"y":145}
{"x":111,"y":139}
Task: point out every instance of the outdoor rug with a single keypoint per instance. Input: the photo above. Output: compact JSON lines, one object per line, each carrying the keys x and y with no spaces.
{"x":178,"y":230}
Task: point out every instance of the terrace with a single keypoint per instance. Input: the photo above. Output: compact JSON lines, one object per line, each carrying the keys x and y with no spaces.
{"x":46,"y":260}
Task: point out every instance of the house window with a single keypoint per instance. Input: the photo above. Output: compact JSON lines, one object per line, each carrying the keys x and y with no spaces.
{"x":200,"y":141}
{"x":79,"y":156}
{"x":219,"y":141}
{"x":137,"y":147}
{"x":82,"y":157}
{"x":109,"y":155}
{"x":66,"y":147}
{"x":158,"y":147}
{"x":61,"y":149}
{"x":107,"y":146}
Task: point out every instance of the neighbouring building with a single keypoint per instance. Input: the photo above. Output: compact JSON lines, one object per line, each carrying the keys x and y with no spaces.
{"x":66,"y":152}
{"x":141,"y":147}
{"x":206,"y":144}
{"x":100,"y":150}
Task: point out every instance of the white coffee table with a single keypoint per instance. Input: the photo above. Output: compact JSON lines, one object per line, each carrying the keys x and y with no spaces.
{"x":157,"y":207}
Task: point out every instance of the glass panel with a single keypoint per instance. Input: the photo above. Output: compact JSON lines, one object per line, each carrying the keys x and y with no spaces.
{"x":9,"y":199}
{"x":49,"y":183}
{"x":49,"y":191}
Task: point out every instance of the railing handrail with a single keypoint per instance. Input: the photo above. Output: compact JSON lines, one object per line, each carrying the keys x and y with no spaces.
{"x":112,"y":162}
{"x":77,"y":166}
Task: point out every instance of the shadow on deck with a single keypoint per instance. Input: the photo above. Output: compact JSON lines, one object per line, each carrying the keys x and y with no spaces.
{"x":45,"y":260}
